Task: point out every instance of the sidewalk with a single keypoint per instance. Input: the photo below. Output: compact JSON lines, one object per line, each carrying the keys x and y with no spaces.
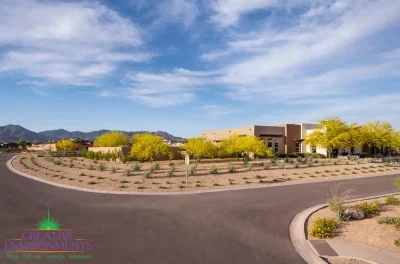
{"x":342,"y":248}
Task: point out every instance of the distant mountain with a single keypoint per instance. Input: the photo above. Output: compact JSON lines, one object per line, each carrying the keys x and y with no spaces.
{"x":12,"y":133}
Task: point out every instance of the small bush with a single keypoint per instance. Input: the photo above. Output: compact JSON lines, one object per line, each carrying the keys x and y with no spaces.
{"x":397,"y":242}
{"x":198,"y":185}
{"x":181,"y":186}
{"x":390,"y":221}
{"x":140,"y":187}
{"x":391,"y":200}
{"x":250,"y":166}
{"x":127,"y":173}
{"x":258,"y":177}
{"x":297,"y":165}
{"x":192,"y":169}
{"x":92,"y":183}
{"x":156,"y":165}
{"x":231,"y":168}
{"x":281,"y":165}
{"x":123,"y":181}
{"x":101,"y":167}
{"x":213,"y":170}
{"x":136,"y":167}
{"x":246,"y":182}
{"x":170,"y":172}
{"x":91,"y":167}
{"x":123,"y":186}
{"x":323,"y":227}
{"x":57,"y":162}
{"x":215,"y":184}
{"x":113,"y":170}
{"x":370,"y":208}
{"x":147,"y":174}
{"x":82,"y":174}
{"x":162,"y":187}
{"x":171,"y":164}
{"x":266,"y":167}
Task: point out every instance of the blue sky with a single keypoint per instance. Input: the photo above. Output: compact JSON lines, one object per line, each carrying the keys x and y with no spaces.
{"x":187,"y":66}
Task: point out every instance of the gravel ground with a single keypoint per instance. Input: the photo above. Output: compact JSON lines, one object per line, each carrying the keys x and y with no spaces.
{"x":160,"y":182}
{"x":367,"y":231}
{"x":341,"y":260}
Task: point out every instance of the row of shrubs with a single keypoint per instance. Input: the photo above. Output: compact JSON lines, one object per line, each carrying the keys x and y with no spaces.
{"x":108,"y":156}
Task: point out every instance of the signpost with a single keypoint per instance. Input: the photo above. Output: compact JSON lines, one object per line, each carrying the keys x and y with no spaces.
{"x":187,"y":165}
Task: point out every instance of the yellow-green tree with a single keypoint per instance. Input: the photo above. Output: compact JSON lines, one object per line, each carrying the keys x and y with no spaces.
{"x":148,"y":146}
{"x":244,"y":145}
{"x":328,"y":134}
{"x":66,"y":144}
{"x":201,"y":147}
{"x":112,"y":139}
{"x":378,"y":135}
{"x":352,"y":136}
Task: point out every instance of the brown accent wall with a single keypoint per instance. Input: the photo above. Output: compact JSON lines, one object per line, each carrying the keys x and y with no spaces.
{"x":292,"y":132}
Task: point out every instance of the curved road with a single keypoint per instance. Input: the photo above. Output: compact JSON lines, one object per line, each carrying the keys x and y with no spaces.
{"x":244,"y":226}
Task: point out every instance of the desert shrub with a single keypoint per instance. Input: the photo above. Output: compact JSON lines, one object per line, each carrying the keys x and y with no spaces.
{"x":266,"y":167}
{"x":91,"y":167}
{"x":250,"y":166}
{"x":390,"y":221}
{"x":140,"y":187}
{"x":90,"y":155}
{"x":57,"y":162}
{"x":363,"y":155}
{"x":323,"y":227}
{"x":370,"y":208}
{"x":152,"y":169}
{"x":147,"y":174}
{"x":258,"y":177}
{"x":297,"y":165}
{"x":391,"y":200}
{"x":100,"y":178}
{"x":286,"y":160}
{"x":281,"y":165}
{"x":123,"y":181}
{"x":171,"y":171}
{"x":397,"y":242}
{"x":82,"y":174}
{"x":101,"y":167}
{"x":127,"y":172}
{"x":136,"y":167}
{"x":113,"y":170}
{"x":92,"y":183}
{"x":193,"y":169}
{"x":213,"y":170}
{"x":335,"y":162}
{"x":231,"y":168}
{"x":336,"y":202}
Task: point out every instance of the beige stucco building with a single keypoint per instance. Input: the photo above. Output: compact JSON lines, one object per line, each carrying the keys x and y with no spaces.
{"x":283,"y":138}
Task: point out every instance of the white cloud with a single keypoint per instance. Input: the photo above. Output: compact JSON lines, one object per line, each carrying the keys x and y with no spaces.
{"x":228,"y":12}
{"x":213,"y":110}
{"x":164,"y":89}
{"x":67,"y":42}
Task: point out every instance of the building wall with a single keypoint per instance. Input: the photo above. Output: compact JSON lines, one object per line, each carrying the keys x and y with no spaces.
{"x":124,"y":149}
{"x":217,"y":135}
{"x":42,"y":147}
{"x":276,"y":133}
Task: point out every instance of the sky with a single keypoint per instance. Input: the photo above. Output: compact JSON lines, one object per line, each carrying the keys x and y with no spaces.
{"x":186,"y":66}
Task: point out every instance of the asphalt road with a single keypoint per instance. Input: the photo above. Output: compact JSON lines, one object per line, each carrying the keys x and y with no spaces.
{"x":244,"y":226}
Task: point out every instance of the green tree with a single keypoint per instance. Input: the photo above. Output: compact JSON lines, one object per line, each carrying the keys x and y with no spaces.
{"x":351,"y":137}
{"x":66,"y":144}
{"x":22,"y":143}
{"x":112,"y":139}
{"x":329,"y":134}
{"x":148,"y":146}
{"x":201,"y":147}
{"x":378,"y":135}
{"x":244,"y":145}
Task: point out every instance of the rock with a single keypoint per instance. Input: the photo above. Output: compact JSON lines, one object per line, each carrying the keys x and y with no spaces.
{"x":355,"y":214}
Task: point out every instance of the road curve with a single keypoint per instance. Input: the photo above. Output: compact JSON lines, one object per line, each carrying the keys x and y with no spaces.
{"x":242,"y":226}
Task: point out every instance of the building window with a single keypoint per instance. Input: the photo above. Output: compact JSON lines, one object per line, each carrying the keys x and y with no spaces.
{"x":269,"y":143}
{"x":276,"y":147}
{"x":298,"y":147}
{"x":313,"y":149}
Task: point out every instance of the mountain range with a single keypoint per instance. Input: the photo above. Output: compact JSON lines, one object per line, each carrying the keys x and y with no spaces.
{"x":11,"y":133}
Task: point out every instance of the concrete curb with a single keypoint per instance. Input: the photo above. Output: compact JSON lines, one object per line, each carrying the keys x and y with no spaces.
{"x":297,"y":231}
{"x":14,"y":170}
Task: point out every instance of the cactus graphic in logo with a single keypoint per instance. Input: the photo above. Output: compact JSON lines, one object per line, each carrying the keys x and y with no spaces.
{"x":48,"y":222}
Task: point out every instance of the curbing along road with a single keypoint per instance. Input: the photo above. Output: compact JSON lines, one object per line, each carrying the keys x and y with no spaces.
{"x":241,"y":226}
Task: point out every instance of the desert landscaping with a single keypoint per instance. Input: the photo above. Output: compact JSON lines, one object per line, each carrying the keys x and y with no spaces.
{"x":169,"y":176}
{"x":380,"y":226}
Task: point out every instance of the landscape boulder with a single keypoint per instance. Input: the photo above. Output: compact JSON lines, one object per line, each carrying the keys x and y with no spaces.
{"x":355,"y":214}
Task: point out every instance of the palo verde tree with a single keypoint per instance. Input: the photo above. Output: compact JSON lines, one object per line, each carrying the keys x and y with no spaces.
{"x":352,"y":136}
{"x":328,"y":134}
{"x":22,"y":143}
{"x":378,"y":135}
{"x":66,"y":144}
{"x":244,"y":145}
{"x":148,"y":146}
{"x":201,"y":147}
{"x":112,"y":139}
